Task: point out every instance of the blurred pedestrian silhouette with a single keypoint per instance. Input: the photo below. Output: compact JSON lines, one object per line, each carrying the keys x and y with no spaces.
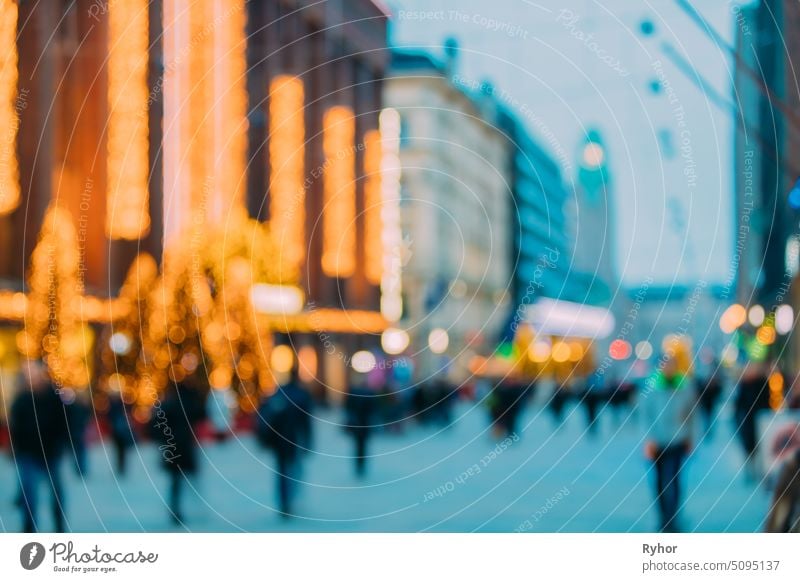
{"x":359,"y":408}
{"x":752,"y":396}
{"x":284,"y":426}
{"x":39,"y":433}
{"x":173,"y":423}
{"x":122,"y":435}
{"x":443,"y":397}
{"x":709,"y":389}
{"x":558,"y":399}
{"x":79,"y":412}
{"x":594,"y":396}
{"x":668,"y":408}
{"x":784,"y":513}
{"x":506,"y":402}
{"x":621,"y":394}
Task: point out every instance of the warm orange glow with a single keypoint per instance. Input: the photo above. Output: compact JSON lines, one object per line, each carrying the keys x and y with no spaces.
{"x":338,"y":218}
{"x":576,"y":351}
{"x":282,"y":358}
{"x":286,"y":151}
{"x":766,"y":335}
{"x":733,"y":317}
{"x":307,"y":359}
{"x":561,"y":352}
{"x":373,"y":203}
{"x":176,"y":123}
{"x":10,"y":105}
{"x":197,"y":100}
{"x":55,"y":326}
{"x":776,"y":390}
{"x":228,"y":108}
{"x":205,"y":125}
{"x":127,"y":215}
{"x":328,"y":320}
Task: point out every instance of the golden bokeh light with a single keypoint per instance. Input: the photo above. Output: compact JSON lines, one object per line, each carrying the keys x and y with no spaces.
{"x":286,"y":155}
{"x":127,"y":215}
{"x":10,"y":105}
{"x":338,"y":218}
{"x":373,"y":204}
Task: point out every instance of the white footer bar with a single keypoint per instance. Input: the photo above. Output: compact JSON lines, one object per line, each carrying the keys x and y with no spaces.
{"x":406,"y":557}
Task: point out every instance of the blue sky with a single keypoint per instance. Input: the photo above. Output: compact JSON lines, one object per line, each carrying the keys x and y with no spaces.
{"x":571,"y":66}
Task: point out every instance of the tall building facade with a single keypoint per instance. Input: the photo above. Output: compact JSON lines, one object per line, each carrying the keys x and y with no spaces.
{"x":766,"y":257}
{"x":592,"y":224}
{"x":540,"y":245}
{"x":141,"y":125}
{"x":455,"y":211}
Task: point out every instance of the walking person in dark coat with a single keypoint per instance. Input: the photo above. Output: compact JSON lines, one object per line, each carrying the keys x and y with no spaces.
{"x":284,"y":425}
{"x":594,"y":395}
{"x":78,"y":414}
{"x":709,"y":390}
{"x":121,"y":432}
{"x":359,"y":408}
{"x":174,"y":423}
{"x":39,"y":434}
{"x":752,"y":396}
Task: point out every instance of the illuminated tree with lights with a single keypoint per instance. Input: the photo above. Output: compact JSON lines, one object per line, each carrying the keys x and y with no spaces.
{"x":201,"y":324}
{"x":239,"y":348}
{"x":54,"y":330}
{"x":180,"y":306}
{"x":126,"y":368}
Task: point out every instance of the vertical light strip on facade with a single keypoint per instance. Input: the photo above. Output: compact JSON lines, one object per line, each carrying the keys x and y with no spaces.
{"x":127,"y":214}
{"x":199,"y":104}
{"x":391,"y":281}
{"x":373,"y":204}
{"x":339,"y":213}
{"x":176,"y":88}
{"x":9,"y":108}
{"x":205,"y":113}
{"x":286,"y":153}
{"x":229,"y":108}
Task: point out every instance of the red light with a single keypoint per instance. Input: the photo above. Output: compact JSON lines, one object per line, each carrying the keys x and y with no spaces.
{"x":619,"y":350}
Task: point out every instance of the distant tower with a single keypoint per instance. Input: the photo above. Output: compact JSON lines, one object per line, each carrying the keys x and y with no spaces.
{"x":594,"y":225}
{"x":451,"y":55}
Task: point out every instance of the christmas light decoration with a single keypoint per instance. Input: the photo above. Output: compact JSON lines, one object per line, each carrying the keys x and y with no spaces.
{"x":205,"y":123}
{"x":54,"y":328}
{"x":201,"y":322}
{"x":391,"y":281}
{"x":327,"y":320}
{"x":10,"y":103}
{"x":373,"y":204}
{"x":339,"y":213}
{"x":125,"y":364}
{"x":180,"y":306}
{"x":237,"y":343}
{"x":286,"y":153}
{"x":227,"y":110}
{"x":127,"y":215}
{"x":177,"y":184}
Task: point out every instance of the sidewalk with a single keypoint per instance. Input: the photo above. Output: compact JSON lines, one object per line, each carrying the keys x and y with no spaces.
{"x":424,"y":480}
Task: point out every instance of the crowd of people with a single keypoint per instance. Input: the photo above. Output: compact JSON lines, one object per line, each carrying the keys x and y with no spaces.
{"x":678,"y":410}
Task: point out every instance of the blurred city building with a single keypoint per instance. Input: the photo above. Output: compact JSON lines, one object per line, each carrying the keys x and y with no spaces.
{"x":541,"y":249}
{"x":592,"y":225}
{"x":766,"y":145}
{"x":169,"y":127}
{"x":455,"y":206}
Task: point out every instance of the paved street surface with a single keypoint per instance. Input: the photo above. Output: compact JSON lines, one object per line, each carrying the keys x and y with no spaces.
{"x":548,"y":481}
